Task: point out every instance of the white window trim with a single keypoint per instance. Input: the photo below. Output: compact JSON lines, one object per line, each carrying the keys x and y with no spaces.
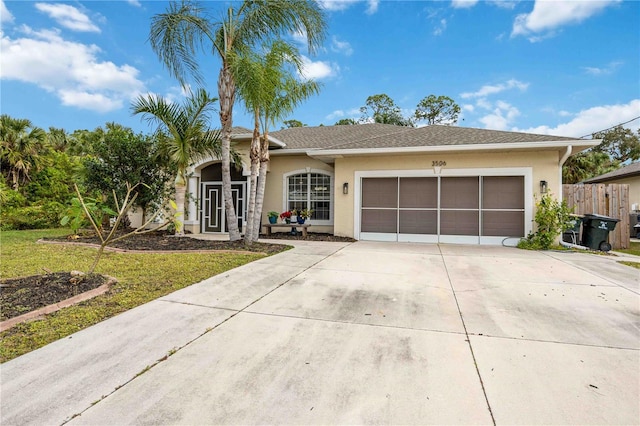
{"x":285,"y":192}
{"x":526,"y":172}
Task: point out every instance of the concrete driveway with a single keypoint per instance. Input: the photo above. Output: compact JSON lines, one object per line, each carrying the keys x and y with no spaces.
{"x":362,"y":333}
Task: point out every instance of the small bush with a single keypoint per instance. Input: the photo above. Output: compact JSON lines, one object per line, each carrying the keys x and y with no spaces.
{"x":552,"y":217}
{"x":39,"y":216}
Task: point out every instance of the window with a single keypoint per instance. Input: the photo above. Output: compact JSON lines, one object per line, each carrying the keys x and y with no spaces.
{"x":311,"y":190}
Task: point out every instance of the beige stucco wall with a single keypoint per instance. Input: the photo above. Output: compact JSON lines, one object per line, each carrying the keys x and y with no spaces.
{"x":544,"y":165}
{"x":274,"y":199}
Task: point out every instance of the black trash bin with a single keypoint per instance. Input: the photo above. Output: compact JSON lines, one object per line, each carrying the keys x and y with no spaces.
{"x":595,"y":231}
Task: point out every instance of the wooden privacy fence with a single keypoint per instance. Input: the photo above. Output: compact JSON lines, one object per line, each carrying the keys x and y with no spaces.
{"x":608,"y":200}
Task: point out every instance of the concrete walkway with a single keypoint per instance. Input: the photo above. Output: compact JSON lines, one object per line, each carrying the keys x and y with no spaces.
{"x":362,"y":333}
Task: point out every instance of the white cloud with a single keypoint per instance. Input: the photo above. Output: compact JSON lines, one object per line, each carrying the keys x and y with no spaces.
{"x":300,"y":37}
{"x":463,"y":4}
{"x":504,"y":4}
{"x":440,"y":29}
{"x":68,"y":16}
{"x":339,"y":113}
{"x":500,"y":117}
{"x":134,"y":3}
{"x":608,"y":69}
{"x":372,"y":6}
{"x":85,"y":100}
{"x":317,"y":70}
{"x":467,"y":4}
{"x":335,"y":5}
{"x":341,"y":46}
{"x":592,"y":120}
{"x":551,"y":15}
{"x":338,"y":5}
{"x":468,"y":107}
{"x":497,"y":88}
{"x":5,"y":15}
{"x":69,"y":69}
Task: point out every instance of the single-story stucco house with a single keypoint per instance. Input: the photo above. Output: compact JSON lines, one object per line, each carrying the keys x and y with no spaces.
{"x":630,"y":175}
{"x":389,"y":183}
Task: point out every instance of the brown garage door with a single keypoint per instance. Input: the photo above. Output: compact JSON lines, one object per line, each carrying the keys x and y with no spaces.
{"x":444,"y":208}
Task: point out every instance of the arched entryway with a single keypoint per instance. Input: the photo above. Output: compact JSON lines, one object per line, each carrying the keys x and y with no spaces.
{"x":212,"y":213}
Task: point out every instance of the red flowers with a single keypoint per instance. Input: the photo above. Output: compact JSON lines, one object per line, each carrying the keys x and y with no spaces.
{"x":285,"y":215}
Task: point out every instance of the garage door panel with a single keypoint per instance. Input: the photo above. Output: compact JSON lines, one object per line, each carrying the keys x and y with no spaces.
{"x":418,"y":222}
{"x":503,"y":192}
{"x":459,"y":193}
{"x":380,"y":192}
{"x":459,"y":222}
{"x":374,"y":220}
{"x":420,"y":192}
{"x":501,"y":223}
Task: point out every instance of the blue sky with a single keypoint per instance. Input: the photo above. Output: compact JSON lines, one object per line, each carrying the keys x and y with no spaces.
{"x":553,"y":67}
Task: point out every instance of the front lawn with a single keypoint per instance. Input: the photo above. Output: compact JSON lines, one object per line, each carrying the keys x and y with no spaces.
{"x":634,"y":248}
{"x":141,"y":278}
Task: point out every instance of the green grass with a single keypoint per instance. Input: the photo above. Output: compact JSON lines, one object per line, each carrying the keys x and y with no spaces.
{"x":141,"y":278}
{"x":634,"y":248}
{"x":632,"y":264}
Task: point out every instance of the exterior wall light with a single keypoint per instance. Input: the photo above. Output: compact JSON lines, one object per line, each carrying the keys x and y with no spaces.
{"x":544,"y":186}
{"x":345,"y":188}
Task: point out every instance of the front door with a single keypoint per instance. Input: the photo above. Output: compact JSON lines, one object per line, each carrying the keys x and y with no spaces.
{"x":212,"y":214}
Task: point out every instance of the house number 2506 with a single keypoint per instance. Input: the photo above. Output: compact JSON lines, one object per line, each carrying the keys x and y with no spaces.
{"x":438,"y":163}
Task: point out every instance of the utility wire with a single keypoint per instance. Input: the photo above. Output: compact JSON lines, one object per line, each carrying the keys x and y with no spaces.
{"x":612,"y":127}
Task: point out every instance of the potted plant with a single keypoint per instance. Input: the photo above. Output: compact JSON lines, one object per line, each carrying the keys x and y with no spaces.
{"x":304,"y":215}
{"x":273,"y":216}
{"x":286,"y":216}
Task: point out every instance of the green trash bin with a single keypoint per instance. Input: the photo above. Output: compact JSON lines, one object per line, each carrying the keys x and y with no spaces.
{"x":595,"y":231}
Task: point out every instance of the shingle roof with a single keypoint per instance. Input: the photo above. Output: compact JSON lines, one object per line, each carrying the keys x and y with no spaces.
{"x":376,"y":135}
{"x":331,"y":136}
{"x":238,"y":130}
{"x":632,"y":169}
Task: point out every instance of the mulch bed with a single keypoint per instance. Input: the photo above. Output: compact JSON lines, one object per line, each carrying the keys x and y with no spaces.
{"x":21,"y":295}
{"x":164,"y":241}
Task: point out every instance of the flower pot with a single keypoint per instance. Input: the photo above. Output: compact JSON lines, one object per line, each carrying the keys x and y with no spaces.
{"x":273,"y":219}
{"x":287,"y":220}
{"x":301,"y":220}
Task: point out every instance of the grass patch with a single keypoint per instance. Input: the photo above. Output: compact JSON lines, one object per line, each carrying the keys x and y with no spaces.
{"x":634,"y":248}
{"x":141,"y":278}
{"x":632,"y":264}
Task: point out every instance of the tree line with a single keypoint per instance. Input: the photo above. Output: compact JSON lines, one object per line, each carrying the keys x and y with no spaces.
{"x":40,"y":168}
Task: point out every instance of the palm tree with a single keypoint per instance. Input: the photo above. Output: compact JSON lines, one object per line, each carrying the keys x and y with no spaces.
{"x":178,"y":35}
{"x":58,"y":139}
{"x":269,"y":88}
{"x":21,"y":144}
{"x":184,"y":133}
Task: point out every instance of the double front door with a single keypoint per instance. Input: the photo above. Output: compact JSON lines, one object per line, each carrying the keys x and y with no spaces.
{"x":212,"y":213}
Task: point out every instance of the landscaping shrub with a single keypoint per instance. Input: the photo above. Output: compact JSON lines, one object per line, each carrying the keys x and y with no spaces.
{"x":36,"y":216}
{"x":552,"y":217}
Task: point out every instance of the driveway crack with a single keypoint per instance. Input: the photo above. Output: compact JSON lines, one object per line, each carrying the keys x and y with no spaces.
{"x":468,"y":339}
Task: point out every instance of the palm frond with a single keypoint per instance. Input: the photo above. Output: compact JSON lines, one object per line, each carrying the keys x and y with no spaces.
{"x":176,"y":37}
{"x":265,"y":20}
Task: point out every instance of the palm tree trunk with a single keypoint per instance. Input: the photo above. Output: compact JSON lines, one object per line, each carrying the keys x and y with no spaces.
{"x":181,"y":189}
{"x":262,"y":182}
{"x":226,"y":93}
{"x":254,"y":155}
